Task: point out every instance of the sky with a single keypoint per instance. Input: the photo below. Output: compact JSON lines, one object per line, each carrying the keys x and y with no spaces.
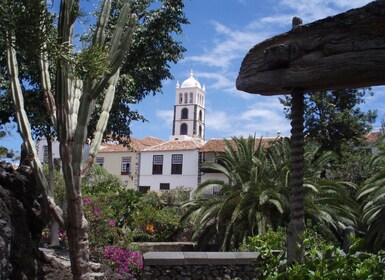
{"x":217,"y":39}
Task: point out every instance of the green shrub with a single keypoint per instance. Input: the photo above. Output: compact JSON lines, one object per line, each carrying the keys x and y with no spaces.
{"x":154,"y":221}
{"x":322,"y":260}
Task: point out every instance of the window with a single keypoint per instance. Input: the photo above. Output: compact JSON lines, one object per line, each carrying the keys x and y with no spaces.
{"x":184,"y":114}
{"x":200,"y":131}
{"x":183,"y":129}
{"x":144,"y":189}
{"x":45,"y":153}
{"x":100,"y":161}
{"x":185,"y":98}
{"x":157,"y":164}
{"x":176,"y":164}
{"x":180,"y":98}
{"x":126,"y":165}
{"x":164,"y":186}
{"x":200,"y":115}
{"x":191,"y":97}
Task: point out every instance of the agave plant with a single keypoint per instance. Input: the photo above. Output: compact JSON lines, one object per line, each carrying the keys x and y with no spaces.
{"x":372,"y":199}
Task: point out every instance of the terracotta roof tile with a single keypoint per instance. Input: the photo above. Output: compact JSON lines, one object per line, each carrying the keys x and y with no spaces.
{"x":373,"y":136}
{"x":135,"y":144}
{"x":175,"y":146}
{"x":112,"y":148}
{"x":218,"y":145}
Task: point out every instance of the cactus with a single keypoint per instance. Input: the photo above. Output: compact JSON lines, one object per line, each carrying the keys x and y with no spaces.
{"x":25,"y":127}
{"x":70,"y":114}
{"x":102,"y":122}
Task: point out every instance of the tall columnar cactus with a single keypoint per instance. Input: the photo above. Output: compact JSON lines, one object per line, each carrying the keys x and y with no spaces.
{"x":70,"y":113}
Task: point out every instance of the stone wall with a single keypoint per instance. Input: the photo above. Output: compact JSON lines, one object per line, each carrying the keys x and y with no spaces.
{"x":23,"y":216}
{"x":200,"y":265}
{"x":144,"y":247}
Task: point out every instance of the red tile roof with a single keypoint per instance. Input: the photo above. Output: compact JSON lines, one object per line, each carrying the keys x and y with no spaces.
{"x":134,"y":144}
{"x":373,"y":136}
{"x":218,"y":145}
{"x":177,"y":145}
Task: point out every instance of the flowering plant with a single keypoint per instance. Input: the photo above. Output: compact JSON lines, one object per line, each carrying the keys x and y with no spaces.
{"x":103,"y":228}
{"x":124,"y":260}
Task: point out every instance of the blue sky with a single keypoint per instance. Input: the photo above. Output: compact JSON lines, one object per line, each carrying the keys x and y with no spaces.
{"x":218,"y":37}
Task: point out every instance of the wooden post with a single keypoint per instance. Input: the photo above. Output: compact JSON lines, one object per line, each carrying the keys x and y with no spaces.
{"x":297,"y":213}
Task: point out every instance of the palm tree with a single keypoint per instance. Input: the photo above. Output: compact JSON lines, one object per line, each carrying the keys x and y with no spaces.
{"x":329,"y":204}
{"x":372,"y":198}
{"x":252,"y":198}
{"x":255,"y":194}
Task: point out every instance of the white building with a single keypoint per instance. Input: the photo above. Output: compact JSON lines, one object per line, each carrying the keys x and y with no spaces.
{"x":189,"y":110}
{"x":42,"y":150}
{"x":176,"y":162}
{"x":170,"y":165}
{"x":123,"y":160}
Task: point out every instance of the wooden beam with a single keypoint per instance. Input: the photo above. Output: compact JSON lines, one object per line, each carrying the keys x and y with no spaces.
{"x":343,"y":51}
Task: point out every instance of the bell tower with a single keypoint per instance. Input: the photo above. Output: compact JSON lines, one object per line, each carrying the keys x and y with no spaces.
{"x":189,"y":110}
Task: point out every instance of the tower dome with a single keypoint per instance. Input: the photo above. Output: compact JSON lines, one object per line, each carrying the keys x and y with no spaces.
{"x":191,"y":82}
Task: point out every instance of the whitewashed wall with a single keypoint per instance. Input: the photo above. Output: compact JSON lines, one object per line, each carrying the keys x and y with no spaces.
{"x":188,"y":178}
{"x":113,"y":164}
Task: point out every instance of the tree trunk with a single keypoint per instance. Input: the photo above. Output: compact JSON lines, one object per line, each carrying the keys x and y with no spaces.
{"x":297,"y":213}
{"x":54,"y":226}
{"x":78,"y":239}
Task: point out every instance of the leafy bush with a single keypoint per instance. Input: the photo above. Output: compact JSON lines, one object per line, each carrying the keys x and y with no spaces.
{"x":154,"y":221}
{"x":102,"y":230}
{"x":176,"y":196}
{"x":322,"y":260}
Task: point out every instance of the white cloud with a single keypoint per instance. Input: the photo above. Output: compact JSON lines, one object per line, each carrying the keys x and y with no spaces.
{"x":228,"y":45}
{"x":310,"y":10}
{"x":167,"y":116}
{"x":218,"y":121}
{"x":221,"y":81}
{"x":264,"y":118}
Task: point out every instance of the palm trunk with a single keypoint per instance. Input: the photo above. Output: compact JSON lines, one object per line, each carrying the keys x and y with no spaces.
{"x":296,"y":224}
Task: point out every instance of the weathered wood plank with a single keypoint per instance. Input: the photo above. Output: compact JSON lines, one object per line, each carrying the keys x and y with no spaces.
{"x":343,"y":51}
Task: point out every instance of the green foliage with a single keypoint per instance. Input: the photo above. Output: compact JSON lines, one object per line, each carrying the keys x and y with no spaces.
{"x":353,"y":164}
{"x":253,"y":197}
{"x":272,"y":240}
{"x":333,"y":117}
{"x":176,"y":196}
{"x":153,"y":224}
{"x":322,"y":260}
{"x":100,"y":181}
{"x":109,"y":208}
{"x":136,"y":217}
{"x":3,"y":152}
{"x":102,"y":230}
{"x":329,"y":204}
{"x":91,"y":63}
{"x":372,"y":199}
{"x":154,"y":220}
{"x":155,"y":46}
{"x":59,"y":186}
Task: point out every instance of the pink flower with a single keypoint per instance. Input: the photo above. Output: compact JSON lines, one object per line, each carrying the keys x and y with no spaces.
{"x":97,"y":211}
{"x":86,"y":200}
{"x":112,"y":223}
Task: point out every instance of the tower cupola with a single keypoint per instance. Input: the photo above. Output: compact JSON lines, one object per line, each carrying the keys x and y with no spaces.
{"x":189,"y":110}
